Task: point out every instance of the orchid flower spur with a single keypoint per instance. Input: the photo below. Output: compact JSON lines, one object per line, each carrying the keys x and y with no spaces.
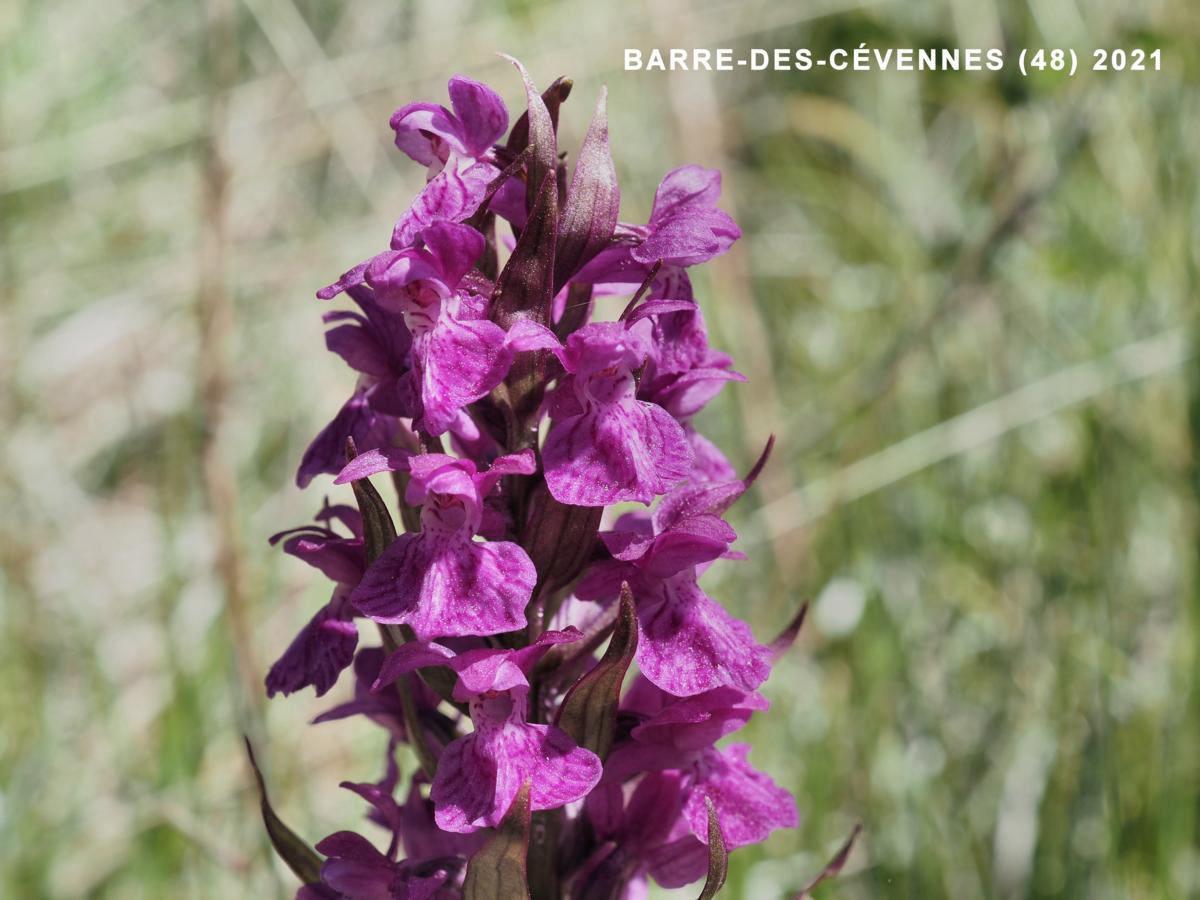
{"x":511,"y":391}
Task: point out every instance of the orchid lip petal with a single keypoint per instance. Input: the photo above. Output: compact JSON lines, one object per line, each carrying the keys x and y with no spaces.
{"x":448,"y":585}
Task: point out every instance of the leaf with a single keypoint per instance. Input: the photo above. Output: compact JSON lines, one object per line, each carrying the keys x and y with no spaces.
{"x":524,"y":290}
{"x":553,"y":97}
{"x":834,"y":867}
{"x":589,"y":711}
{"x":412,"y":727}
{"x":479,"y":219}
{"x":300,"y":858}
{"x":589,"y":216}
{"x":718,"y":856}
{"x":525,"y":286}
{"x":378,"y":529}
{"x":497,"y":870}
{"x":540,"y":126}
{"x":544,"y":859}
{"x":559,"y":539}
{"x":393,"y":636}
{"x":787,"y":637}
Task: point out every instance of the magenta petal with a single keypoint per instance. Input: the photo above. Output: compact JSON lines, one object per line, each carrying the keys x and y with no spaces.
{"x":391,"y":459}
{"x":523,"y":463}
{"x":689,"y":240}
{"x":469,"y":440}
{"x":520,"y":463}
{"x":509,"y":203}
{"x":439,"y":473}
{"x":687,"y":394}
{"x":455,"y":247}
{"x":355,"y":868}
{"x":687,"y":544}
{"x":448,"y":585}
{"x":683,"y":189}
{"x":479,"y":775}
{"x":601,"y":581}
{"x":630,"y":540}
{"x":613,"y":265}
{"x":414,"y":123}
{"x":381,"y":795}
{"x":483,"y":670}
{"x":347,"y":280}
{"x":488,"y":671}
{"x":604,"y":807}
{"x":410,"y":656}
{"x":451,"y":196}
{"x":695,"y":501}
{"x":630,"y":757}
{"x":711,"y":463}
{"x":390,"y":273}
{"x":688,"y":643}
{"x":349,"y":845}
{"x":327,"y":453}
{"x":659,"y":308}
{"x":422,"y":838}
{"x":654,"y":809}
{"x":527,"y":335}
{"x":340,"y":560}
{"x":483,"y":115}
{"x":340,"y":512}
{"x":527,"y":656}
{"x":465,"y":787}
{"x":643,"y":698}
{"x":603,"y":345}
{"x":379,"y":709}
{"x":319,"y":653}
{"x":692,"y":723}
{"x":317,"y":892}
{"x":460,"y":362}
{"x":628,"y":451}
{"x":681,"y":337}
{"x":359,"y":348}
{"x":383,"y":708}
{"x":749,"y":804}
{"x":678,"y":863}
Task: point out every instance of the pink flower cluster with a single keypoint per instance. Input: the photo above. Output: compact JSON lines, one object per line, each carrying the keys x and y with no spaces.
{"x":512,"y":389}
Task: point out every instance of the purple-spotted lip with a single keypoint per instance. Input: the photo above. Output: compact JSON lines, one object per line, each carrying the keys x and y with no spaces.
{"x":495,"y":705}
{"x":445,"y":512}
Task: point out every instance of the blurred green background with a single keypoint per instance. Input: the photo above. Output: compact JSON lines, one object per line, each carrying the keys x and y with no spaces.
{"x":967,"y":305}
